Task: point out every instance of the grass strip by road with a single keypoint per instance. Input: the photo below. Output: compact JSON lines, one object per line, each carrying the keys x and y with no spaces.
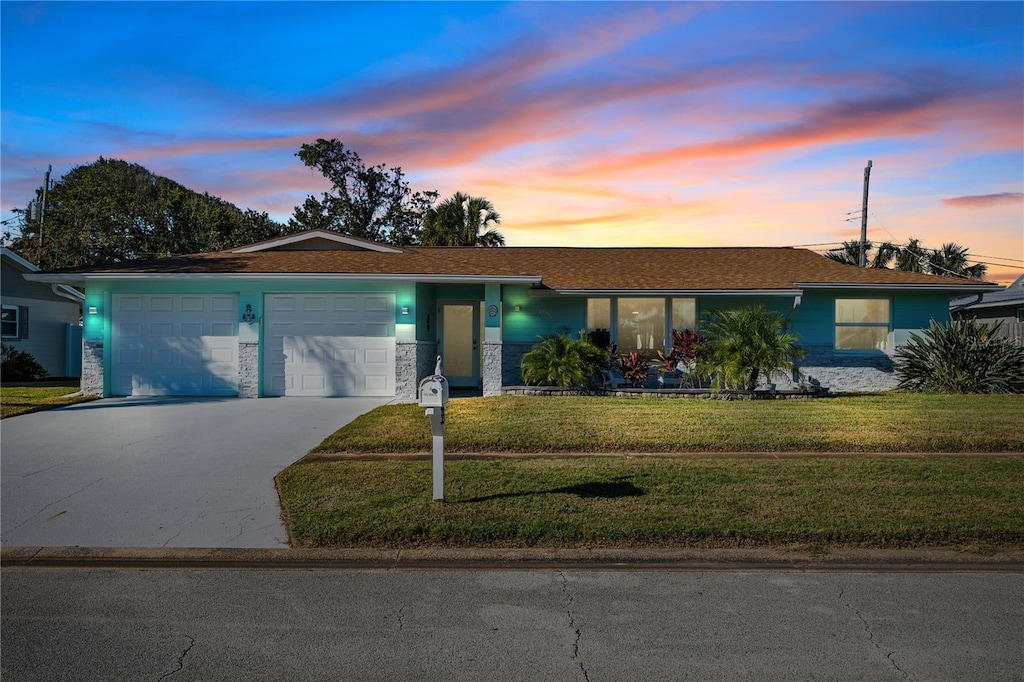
{"x":892,"y":422}
{"x":22,"y":398}
{"x":812,"y":503}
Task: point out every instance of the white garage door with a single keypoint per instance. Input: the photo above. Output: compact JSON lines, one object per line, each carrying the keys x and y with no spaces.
{"x":329,"y":345}
{"x":175,"y":344}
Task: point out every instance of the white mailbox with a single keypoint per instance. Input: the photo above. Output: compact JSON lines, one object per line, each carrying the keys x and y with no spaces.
{"x":434,"y":391}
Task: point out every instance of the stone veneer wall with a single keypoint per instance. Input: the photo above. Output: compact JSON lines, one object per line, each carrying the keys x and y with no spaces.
{"x":413,"y":361}
{"x":493,"y":370}
{"x":511,"y":363}
{"x":848,"y":373}
{"x":92,"y":367}
{"x":248,"y":370}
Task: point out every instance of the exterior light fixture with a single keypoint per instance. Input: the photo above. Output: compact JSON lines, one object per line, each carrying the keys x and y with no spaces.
{"x":93,"y":310}
{"x":248,"y":316}
{"x":517,"y":308}
{"x":405,"y":310}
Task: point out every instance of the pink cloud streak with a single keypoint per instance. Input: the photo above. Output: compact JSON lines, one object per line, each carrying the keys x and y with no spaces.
{"x":986,"y":200}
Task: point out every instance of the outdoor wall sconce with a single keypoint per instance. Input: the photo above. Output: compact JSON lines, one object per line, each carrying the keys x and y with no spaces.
{"x":248,"y":316}
{"x":517,"y":308}
{"x":405,"y":310}
{"x":93,"y":310}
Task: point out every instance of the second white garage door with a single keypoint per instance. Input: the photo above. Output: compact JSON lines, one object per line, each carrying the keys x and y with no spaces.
{"x":329,"y":345}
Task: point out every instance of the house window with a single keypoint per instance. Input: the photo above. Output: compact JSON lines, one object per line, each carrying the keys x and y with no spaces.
{"x":10,"y":322}
{"x":599,"y":313}
{"x":684,"y":313}
{"x":862,"y":324}
{"x":1020,"y":314}
{"x":641,"y":325}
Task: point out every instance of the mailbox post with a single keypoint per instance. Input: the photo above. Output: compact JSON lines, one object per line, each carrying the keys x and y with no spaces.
{"x":433,"y":395}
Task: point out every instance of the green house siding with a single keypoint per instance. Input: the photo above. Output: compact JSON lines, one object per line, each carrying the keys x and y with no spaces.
{"x":910,"y":312}
{"x":539,"y":316}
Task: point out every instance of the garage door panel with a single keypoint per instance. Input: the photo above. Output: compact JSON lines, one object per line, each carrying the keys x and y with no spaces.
{"x":317,"y":345}
{"x":191,"y":350}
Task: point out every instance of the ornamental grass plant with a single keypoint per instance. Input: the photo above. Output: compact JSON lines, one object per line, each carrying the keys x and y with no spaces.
{"x":962,"y":356}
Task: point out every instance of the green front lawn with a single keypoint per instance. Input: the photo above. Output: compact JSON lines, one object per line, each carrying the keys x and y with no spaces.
{"x":21,"y":398}
{"x":894,"y":422}
{"x":953,"y":503}
{"x":634,"y":500}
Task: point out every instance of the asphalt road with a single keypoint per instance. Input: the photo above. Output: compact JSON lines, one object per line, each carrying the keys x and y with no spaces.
{"x":536,"y":624}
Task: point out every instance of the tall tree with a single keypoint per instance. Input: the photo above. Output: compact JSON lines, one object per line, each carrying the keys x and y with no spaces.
{"x":912,"y":257}
{"x":849,"y":254}
{"x":462,"y":220}
{"x":950,"y":260}
{"x":372,"y":202}
{"x":112,"y":210}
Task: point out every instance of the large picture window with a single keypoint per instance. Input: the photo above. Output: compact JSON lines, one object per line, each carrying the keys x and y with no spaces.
{"x":642,"y":325}
{"x":11,"y":322}
{"x":862,"y":324}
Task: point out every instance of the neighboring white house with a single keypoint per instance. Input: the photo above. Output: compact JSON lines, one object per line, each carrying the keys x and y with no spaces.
{"x":40,"y":319}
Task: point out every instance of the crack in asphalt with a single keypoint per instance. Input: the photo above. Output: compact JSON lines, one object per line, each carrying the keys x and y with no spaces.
{"x":572,"y":624}
{"x":401,"y":618}
{"x":181,"y":659}
{"x":871,"y":635}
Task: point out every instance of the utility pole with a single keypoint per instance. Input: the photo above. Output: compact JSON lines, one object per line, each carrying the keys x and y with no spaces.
{"x":864,"y":219}
{"x":42,"y":208}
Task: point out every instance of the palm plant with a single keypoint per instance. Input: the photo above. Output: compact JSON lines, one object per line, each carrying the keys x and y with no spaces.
{"x":960,"y":357}
{"x":951,"y":261}
{"x":562,"y":361}
{"x":746,"y":343}
{"x":461,"y":220}
{"x":849,"y":254}
{"x":912,"y":257}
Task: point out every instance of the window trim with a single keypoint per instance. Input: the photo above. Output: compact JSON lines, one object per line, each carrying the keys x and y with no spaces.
{"x":17,"y":322}
{"x":887,"y":325}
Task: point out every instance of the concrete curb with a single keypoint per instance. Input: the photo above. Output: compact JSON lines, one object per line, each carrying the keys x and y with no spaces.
{"x":865,"y":560}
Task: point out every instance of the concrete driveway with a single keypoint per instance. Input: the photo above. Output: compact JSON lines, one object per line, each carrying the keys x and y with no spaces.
{"x":158,"y":472}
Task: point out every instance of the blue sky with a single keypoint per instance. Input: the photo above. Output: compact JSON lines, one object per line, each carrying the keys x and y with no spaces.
{"x":584,"y":123}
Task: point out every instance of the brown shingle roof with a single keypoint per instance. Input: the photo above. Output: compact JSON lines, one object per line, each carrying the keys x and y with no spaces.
{"x":561,"y":268}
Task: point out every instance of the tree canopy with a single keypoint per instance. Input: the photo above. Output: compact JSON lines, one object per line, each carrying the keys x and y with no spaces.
{"x":461,"y":220}
{"x":112,"y":210}
{"x":951,"y":260}
{"x":372,"y":202}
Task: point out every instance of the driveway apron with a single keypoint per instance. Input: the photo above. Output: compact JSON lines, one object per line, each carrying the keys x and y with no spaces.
{"x":158,"y":472}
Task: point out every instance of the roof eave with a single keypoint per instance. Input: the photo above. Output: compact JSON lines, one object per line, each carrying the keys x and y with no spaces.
{"x":665,"y":292}
{"x":83,"y":278}
{"x":955,"y":288}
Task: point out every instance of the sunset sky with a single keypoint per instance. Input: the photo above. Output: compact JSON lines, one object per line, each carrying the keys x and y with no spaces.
{"x":589,"y":124}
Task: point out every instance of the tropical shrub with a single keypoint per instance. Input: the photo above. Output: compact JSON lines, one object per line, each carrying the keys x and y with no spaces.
{"x":17,"y":365}
{"x":562,"y":361}
{"x":745,"y":343}
{"x":687,"y":348}
{"x":634,"y":368}
{"x":960,"y":357}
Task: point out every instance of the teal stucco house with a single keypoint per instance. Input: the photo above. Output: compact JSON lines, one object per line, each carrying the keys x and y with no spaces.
{"x":320,"y":313}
